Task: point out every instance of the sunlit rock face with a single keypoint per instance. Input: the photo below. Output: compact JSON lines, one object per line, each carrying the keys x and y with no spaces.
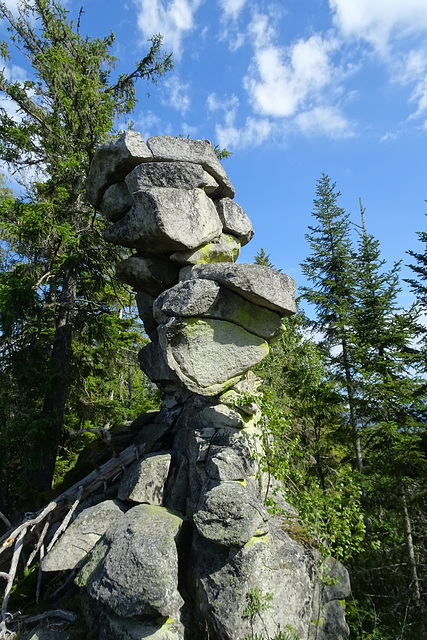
{"x":188,"y":536}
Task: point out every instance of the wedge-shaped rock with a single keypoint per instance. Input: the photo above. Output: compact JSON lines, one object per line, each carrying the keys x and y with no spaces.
{"x":148,"y":274}
{"x":225,"y":249}
{"x":145,"y":480}
{"x":231,"y":515}
{"x":133,"y":570}
{"x":81,"y":536}
{"x":164,"y":219}
{"x":116,"y":201}
{"x":206,"y":299}
{"x":196,"y":151}
{"x":112,"y":161}
{"x":180,"y":175}
{"x":263,"y":285}
{"x":144,"y":303}
{"x":234,"y":220}
{"x":152,"y":361}
{"x":209,"y":356}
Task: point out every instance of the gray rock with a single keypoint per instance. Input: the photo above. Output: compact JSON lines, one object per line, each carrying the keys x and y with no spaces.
{"x":204,"y":298}
{"x":195,"y":151}
{"x":112,"y":161}
{"x":329,"y":623}
{"x":144,"y":303}
{"x":116,"y":202}
{"x":43,"y":633}
{"x":262,"y":285}
{"x":164,"y":219}
{"x":220,"y":416}
{"x":209,"y":356}
{"x":125,"y":629}
{"x":133,"y":570}
{"x":234,"y":220}
{"x":225,"y":249}
{"x":145,"y":480}
{"x":152,"y":361}
{"x":147,"y":273}
{"x":81,"y":536}
{"x":180,"y":175}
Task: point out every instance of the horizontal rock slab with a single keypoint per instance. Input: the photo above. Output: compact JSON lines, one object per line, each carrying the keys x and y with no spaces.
{"x":225,"y":249}
{"x":259,"y":284}
{"x":133,"y":570}
{"x":209,"y":356}
{"x":164,"y":219}
{"x":112,"y":161}
{"x":196,"y":151}
{"x":234,"y":220}
{"x":145,"y":480}
{"x":148,"y":274}
{"x":81,"y":536}
{"x":116,"y":201}
{"x":205,"y":298}
{"x":180,"y":175}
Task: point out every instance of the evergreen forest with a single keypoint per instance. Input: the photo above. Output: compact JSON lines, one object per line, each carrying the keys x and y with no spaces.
{"x":344,"y":389}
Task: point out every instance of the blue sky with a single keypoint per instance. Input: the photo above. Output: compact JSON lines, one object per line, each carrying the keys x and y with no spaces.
{"x":292,"y":88}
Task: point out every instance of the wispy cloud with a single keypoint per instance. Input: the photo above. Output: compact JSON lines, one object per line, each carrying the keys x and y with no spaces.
{"x":173,"y":19}
{"x":377,"y":21}
{"x":177,"y":94}
{"x":232,"y":8}
{"x":324,"y":121}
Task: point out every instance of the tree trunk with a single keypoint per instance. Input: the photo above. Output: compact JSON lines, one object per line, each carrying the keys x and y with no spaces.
{"x":415,"y":585}
{"x":46,"y":448}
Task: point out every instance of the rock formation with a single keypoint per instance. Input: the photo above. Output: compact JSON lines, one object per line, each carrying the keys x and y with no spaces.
{"x":186,"y":540}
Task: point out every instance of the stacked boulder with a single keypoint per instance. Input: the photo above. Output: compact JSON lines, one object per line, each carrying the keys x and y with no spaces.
{"x":187,"y":540}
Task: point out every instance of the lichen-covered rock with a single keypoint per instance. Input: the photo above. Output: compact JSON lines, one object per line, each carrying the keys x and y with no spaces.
{"x":147,"y":273}
{"x":225,"y":249}
{"x":81,"y":536}
{"x":231,"y":515}
{"x":180,"y":175}
{"x":116,"y":201}
{"x":145,"y":480}
{"x":234,"y":220}
{"x":116,"y":628}
{"x":112,"y":161}
{"x":209,"y":356}
{"x":164,"y":219}
{"x":262,"y":285}
{"x":133,"y":570}
{"x":195,"y":151}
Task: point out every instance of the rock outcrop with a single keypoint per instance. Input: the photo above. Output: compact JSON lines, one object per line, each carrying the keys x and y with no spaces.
{"x":187,"y":539}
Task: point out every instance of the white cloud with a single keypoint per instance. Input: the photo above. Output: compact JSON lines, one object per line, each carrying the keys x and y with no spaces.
{"x":173,"y":19}
{"x":232,"y":8}
{"x":253,"y":133}
{"x":377,"y":20}
{"x":281,"y":80}
{"x":324,"y":120}
{"x":178,"y":97}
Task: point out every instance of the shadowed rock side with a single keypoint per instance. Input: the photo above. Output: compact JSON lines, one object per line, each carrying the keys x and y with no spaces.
{"x":187,"y":536}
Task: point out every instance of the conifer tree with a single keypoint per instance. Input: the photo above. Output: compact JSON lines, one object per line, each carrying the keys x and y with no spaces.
{"x":53,"y":285}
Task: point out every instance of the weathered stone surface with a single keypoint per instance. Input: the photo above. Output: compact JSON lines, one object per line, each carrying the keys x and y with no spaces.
{"x":205,"y":298}
{"x":235,"y":220}
{"x":116,"y":202}
{"x":180,"y":175}
{"x":221,"y":416}
{"x":329,"y":623}
{"x":231,"y":515}
{"x":43,"y":633}
{"x":144,"y":303}
{"x":147,"y":273}
{"x":274,"y":564}
{"x":152,"y":361}
{"x":145,"y":480}
{"x":262,"y":285}
{"x":208,"y":355}
{"x":112,"y":161}
{"x":81,"y":536}
{"x":164,"y":219}
{"x":133,"y":570}
{"x":225,"y":249}
{"x":125,"y":629}
{"x":196,"y":151}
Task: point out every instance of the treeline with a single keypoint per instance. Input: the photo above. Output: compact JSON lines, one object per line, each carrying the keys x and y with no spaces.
{"x":345,"y":400}
{"x":68,"y":335}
